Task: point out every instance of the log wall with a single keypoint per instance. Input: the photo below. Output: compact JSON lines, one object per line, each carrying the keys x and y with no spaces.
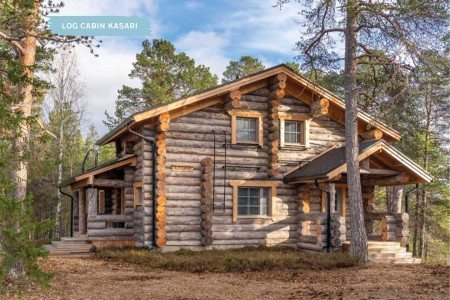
{"x":190,"y":140}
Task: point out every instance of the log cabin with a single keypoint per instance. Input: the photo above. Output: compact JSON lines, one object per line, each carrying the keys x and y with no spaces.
{"x":256,"y":161}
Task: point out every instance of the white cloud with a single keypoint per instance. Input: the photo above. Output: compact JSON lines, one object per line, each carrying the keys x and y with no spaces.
{"x":260,"y":26}
{"x":104,"y":76}
{"x":193,"y":4}
{"x":205,"y":48}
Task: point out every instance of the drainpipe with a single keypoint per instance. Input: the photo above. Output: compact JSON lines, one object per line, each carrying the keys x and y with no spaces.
{"x":328,"y":216}
{"x":407,"y":198}
{"x":71,"y":210}
{"x":151,"y":140}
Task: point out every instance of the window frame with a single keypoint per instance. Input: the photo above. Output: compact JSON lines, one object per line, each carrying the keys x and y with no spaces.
{"x":259,"y":206}
{"x":304,"y":121}
{"x":343,"y":188}
{"x":138,"y":190}
{"x":272,"y":185}
{"x":247,"y":114}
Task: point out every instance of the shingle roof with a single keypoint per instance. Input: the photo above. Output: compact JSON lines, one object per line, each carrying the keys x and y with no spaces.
{"x":322,"y":165}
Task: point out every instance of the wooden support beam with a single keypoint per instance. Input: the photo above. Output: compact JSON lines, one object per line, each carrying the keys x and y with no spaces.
{"x":113,"y":183}
{"x":374,"y":134}
{"x":82,"y":218}
{"x":386,"y":181}
{"x":379,"y":171}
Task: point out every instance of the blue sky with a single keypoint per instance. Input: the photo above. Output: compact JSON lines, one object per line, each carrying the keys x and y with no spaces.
{"x":211,"y":32}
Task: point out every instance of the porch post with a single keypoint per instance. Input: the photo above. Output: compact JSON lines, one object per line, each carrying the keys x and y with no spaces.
{"x":82,"y":221}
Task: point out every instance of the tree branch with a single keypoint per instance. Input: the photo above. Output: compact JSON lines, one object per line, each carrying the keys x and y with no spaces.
{"x":12,"y":41}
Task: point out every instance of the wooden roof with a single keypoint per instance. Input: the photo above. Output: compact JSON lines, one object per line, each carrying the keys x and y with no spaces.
{"x":86,"y":178}
{"x":385,"y":162}
{"x":297,"y":86}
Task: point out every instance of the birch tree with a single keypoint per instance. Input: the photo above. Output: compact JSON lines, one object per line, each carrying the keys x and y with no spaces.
{"x":388,"y":34}
{"x":65,"y":112}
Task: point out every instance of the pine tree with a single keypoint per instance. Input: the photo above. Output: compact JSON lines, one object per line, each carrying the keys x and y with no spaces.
{"x":165,"y":76}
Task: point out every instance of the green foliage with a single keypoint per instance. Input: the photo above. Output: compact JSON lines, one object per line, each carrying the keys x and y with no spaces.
{"x":233,"y":260}
{"x":16,"y":238}
{"x":165,"y":76}
{"x":246,"y":65}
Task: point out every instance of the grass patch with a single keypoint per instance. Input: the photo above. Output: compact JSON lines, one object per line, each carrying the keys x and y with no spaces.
{"x":232,"y":260}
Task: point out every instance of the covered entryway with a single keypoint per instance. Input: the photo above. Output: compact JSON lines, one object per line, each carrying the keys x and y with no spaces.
{"x":325,"y":176}
{"x":104,"y":203}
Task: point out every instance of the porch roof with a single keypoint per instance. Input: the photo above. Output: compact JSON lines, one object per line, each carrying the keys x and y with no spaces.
{"x":387,"y":166}
{"x":86,"y":178}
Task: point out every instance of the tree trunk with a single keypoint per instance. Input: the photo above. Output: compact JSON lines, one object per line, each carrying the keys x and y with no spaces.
{"x":429,"y":109}
{"x":58,"y":194}
{"x":358,"y":245}
{"x":394,"y":195}
{"x":20,"y":144}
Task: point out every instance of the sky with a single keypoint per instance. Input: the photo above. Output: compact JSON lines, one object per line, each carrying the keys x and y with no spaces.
{"x":210,"y":32}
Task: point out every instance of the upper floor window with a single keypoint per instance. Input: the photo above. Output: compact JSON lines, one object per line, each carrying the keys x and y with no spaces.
{"x":294,"y":129}
{"x":246,"y":129}
{"x":292,"y":132}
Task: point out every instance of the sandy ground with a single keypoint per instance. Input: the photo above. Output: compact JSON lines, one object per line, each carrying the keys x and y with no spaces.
{"x":88,"y":278}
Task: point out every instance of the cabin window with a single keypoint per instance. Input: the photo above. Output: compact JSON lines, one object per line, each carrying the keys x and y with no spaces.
{"x":138,"y":194}
{"x":294,"y":130}
{"x":253,"y":201}
{"x":246,"y":130}
{"x":339,"y":201}
{"x":246,"y":127}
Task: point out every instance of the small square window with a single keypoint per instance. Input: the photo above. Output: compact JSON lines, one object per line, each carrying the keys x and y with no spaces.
{"x":246,"y":129}
{"x":292,"y":132}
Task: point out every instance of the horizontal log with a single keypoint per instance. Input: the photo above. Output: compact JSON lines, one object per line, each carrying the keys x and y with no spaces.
{"x":110,"y":232}
{"x":386,"y":181}
{"x":310,"y":247}
{"x":374,"y":134}
{"x":111,"y":218}
{"x":113,"y":183}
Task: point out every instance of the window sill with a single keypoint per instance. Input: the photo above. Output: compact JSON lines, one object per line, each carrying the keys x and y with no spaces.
{"x":293,"y":147}
{"x":254,"y":217}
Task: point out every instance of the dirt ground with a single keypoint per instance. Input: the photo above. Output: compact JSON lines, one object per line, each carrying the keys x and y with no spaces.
{"x":88,"y":278}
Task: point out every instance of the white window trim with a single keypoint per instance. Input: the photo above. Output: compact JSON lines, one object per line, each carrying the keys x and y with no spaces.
{"x":258,"y":184}
{"x":305,"y":128}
